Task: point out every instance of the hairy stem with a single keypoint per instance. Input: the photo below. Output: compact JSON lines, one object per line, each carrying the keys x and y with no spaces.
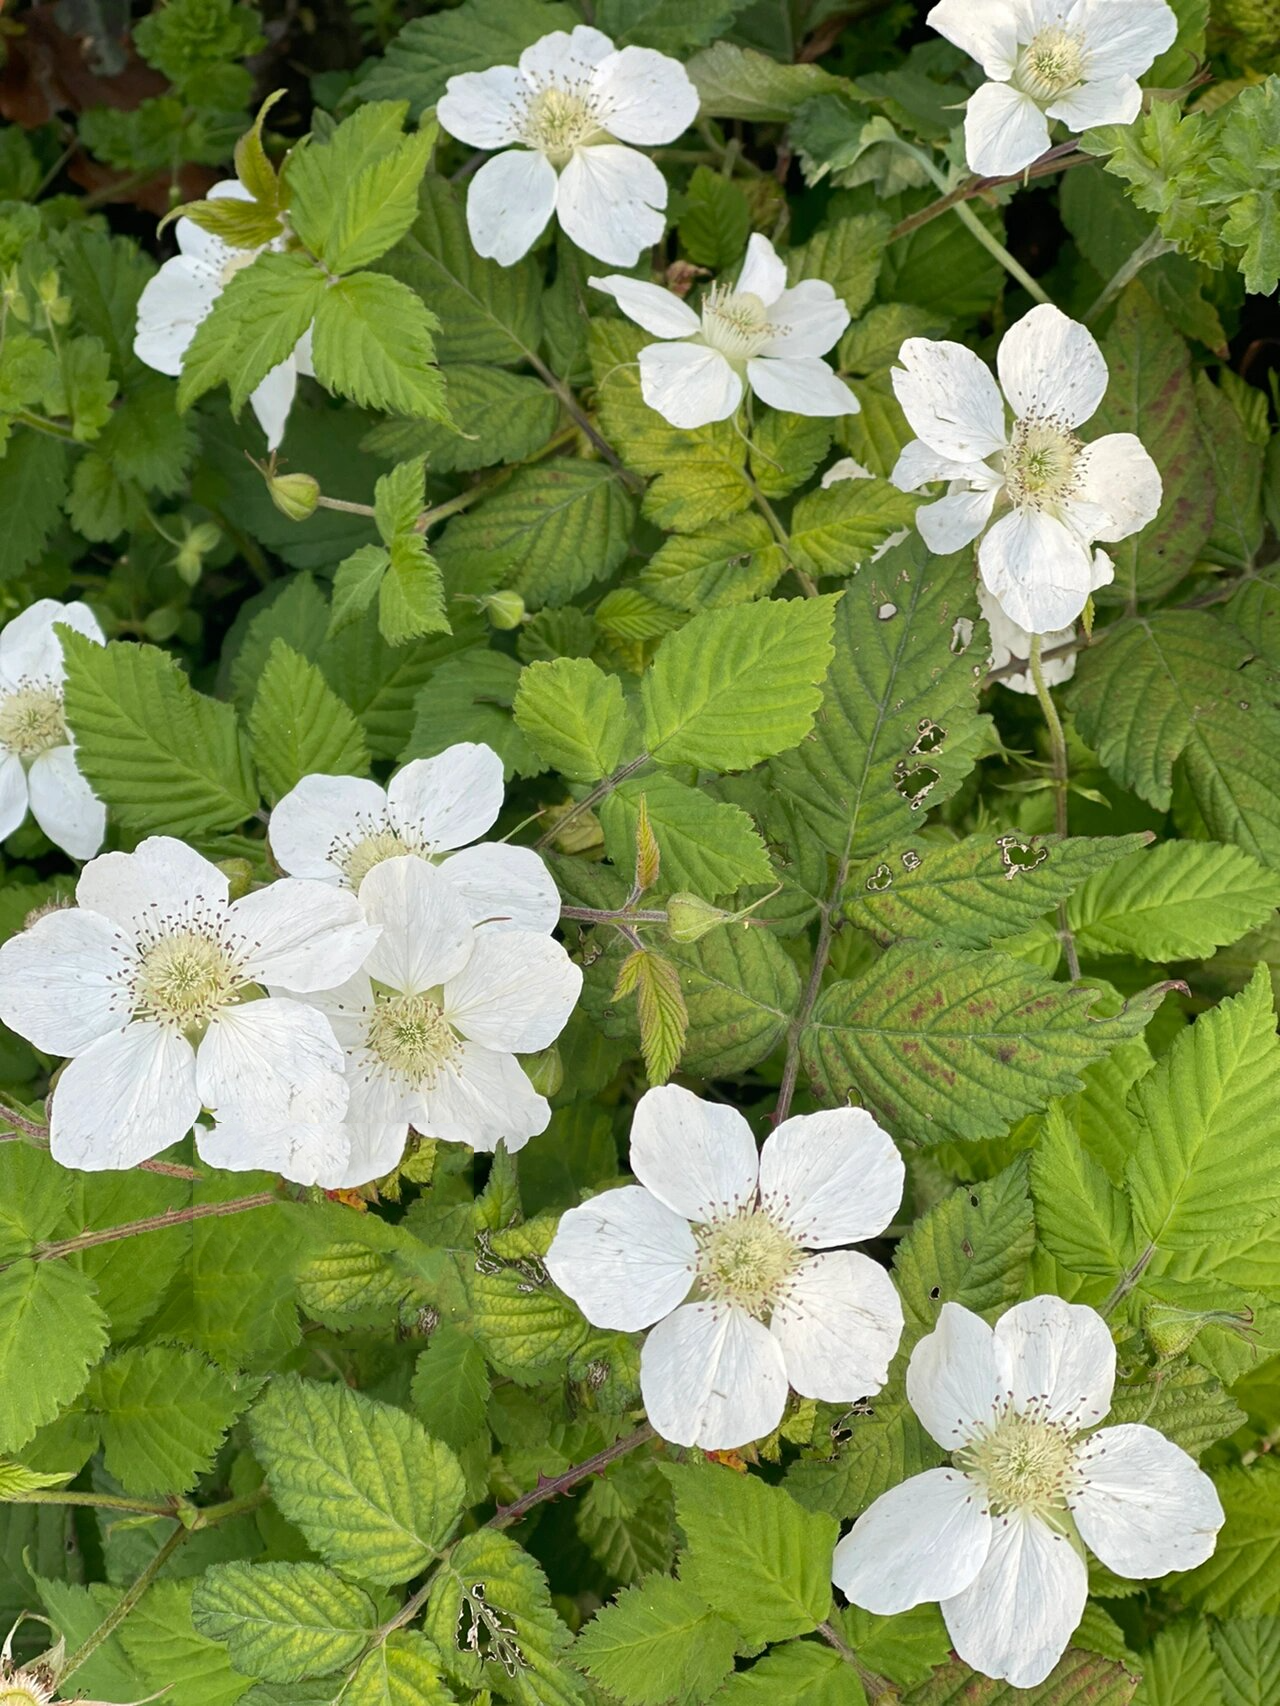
{"x":1125,"y":1284}
{"x":598,"y":793}
{"x":874,"y":1686}
{"x":1057,"y":159}
{"x":506,"y":1515}
{"x":573,"y":408}
{"x":619,"y":915}
{"x":1058,"y":756}
{"x":154,"y":1223}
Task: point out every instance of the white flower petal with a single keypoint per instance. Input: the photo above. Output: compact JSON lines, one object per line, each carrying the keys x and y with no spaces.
{"x":373,"y":1151}
{"x":839,"y":1325}
{"x":1015,"y":1620}
{"x":712,"y":1377}
{"x":309,"y":1154}
{"x":482,"y":1099}
{"x":1010,"y":643}
{"x":515,"y":993}
{"x":611,"y":202}
{"x":13,"y":793}
{"x":305,"y":935}
{"x":831,"y":1178}
{"x":806,"y":320}
{"x":644,"y":96}
{"x":1126,"y":35}
{"x":171,"y":306}
{"x":64,"y":805}
{"x":1036,"y":569}
{"x":347,"y":1008}
{"x":1058,"y":1355}
{"x":848,"y":468}
{"x":1106,"y":100}
{"x":1004,"y":131}
{"x":697,"y":1157}
{"x":953,"y":1378}
{"x":1051,"y":366}
{"x":1120,"y":479}
{"x":272,"y":400}
{"x":321,"y":817}
{"x":507,"y":888}
{"x":952,"y":522}
{"x":427,"y":933}
{"x":482,"y":108}
{"x":31,"y":646}
{"x":124,"y":1099}
{"x":763,"y":273}
{"x":447,"y":800}
{"x":950,"y":399}
{"x":987,"y":30}
{"x":276,"y":1061}
{"x":509,"y":203}
{"x":161,"y":877}
{"x":564,"y":56}
{"x":1146,"y":1507}
{"x":918,"y":465}
{"x":658,"y":311}
{"x":624,"y":1258}
{"x":923,"y":1540}
{"x":688,"y":384}
{"x":60,"y":983}
{"x":803,"y":385}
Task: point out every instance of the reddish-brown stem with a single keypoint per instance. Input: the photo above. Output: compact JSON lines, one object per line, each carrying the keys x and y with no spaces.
{"x":552,"y":1486}
{"x":155,"y":1223}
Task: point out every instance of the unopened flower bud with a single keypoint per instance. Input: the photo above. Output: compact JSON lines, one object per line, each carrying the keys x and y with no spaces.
{"x":1171,"y":1330}
{"x":239,"y":875}
{"x":294,"y":495}
{"x":504,"y":609}
{"x":688,"y":917}
{"x":204,"y":537}
{"x":544,"y":1070}
{"x":57,"y":308}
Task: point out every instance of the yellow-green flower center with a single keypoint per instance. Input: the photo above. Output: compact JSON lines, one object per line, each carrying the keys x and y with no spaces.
{"x":25,"y":1688}
{"x":736,"y":323}
{"x":31,"y":720}
{"x":558,"y":120}
{"x":382,"y":844}
{"x":1025,"y":1463}
{"x":1042,"y":464}
{"x":1051,"y":63}
{"x":185,"y":977}
{"x":410,"y":1035}
{"x":746,"y":1261}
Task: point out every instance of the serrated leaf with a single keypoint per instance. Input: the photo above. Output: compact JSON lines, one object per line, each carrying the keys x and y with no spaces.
{"x":1180,"y":1669}
{"x":34,"y":1192}
{"x":846,"y":255}
{"x":524,"y":1331}
{"x":664,"y":1018}
{"x":255,"y":324}
{"x":165,"y":1647}
{"x":51,"y":1333}
{"x":730,"y":562}
{"x":411,"y":593}
{"x":373,"y":1493}
{"x":403,"y":1670}
{"x":298,"y":725}
{"x":737,"y":82}
{"x":1236,"y":462}
{"x":971,"y":1248}
{"x":372,"y":209}
{"x":939,"y":1042}
{"x":716,"y":220}
{"x":1248,"y":1653}
{"x":656,"y":1642}
{"x":755,"y":1556}
{"x":163,"y":1413}
{"x":469,"y":698}
{"x":735,"y":686}
{"x":372,"y":342}
{"x":355,"y":585}
{"x":803,"y":1673}
{"x":451,"y":1387}
{"x":283,"y":1622}
{"x":15,"y":1480}
{"x":501,"y":418}
{"x":1242,"y":1578}
{"x":1080,"y":1215}
{"x":576,"y":717}
{"x":166,"y":759}
{"x":1180,"y":901}
{"x":381,"y":682}
{"x":874,"y":1452}
{"x":1077,"y":1678}
{"x":709,"y":847}
{"x":833,"y":532}
{"x":428,"y":51}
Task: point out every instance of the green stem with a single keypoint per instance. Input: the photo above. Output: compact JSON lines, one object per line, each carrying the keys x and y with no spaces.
{"x":809,"y":1000}
{"x":93,"y":1501}
{"x":621,"y":915}
{"x":1061,"y":775}
{"x":154,"y":1223}
{"x":1127,"y":1281}
{"x":807,"y":584}
{"x":874,"y":1686}
{"x":598,"y":793}
{"x":1152,"y":246}
{"x":968,"y":217}
{"x":51,"y":429}
{"x":125,"y":1604}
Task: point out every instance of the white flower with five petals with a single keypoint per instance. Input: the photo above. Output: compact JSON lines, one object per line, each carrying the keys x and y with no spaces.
{"x":37,"y":756}
{"x":433,"y":1023}
{"x":995,"y":1538}
{"x":183,"y":293}
{"x":153,"y":985}
{"x":714,"y":1250}
{"x":755,"y":333}
{"x":335,"y":829}
{"x":1073,"y":60}
{"x":1056,"y":495}
{"x":568,"y":106}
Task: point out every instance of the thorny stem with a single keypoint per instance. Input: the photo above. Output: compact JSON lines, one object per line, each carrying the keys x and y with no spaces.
{"x":155,"y":1223}
{"x":38,"y":1136}
{"x":577,"y":413}
{"x":1058,"y":755}
{"x":874,"y":1686}
{"x":809,"y":1000}
{"x":598,"y":793}
{"x":126,"y":1603}
{"x":968,"y":217}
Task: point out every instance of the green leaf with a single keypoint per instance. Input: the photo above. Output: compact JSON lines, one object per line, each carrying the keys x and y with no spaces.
{"x":356,"y":584}
{"x":51,"y":1332}
{"x":716,"y":220}
{"x":1180,"y":901}
{"x":411,"y":593}
{"x":33,"y":484}
{"x":660,"y":1008}
{"x":671,"y":26}
{"x":737,"y":82}
{"x":1180,"y":1669}
{"x":428,"y":51}
{"x":735,"y":686}
{"x":1248,"y":1652}
{"x":708,"y":846}
{"x":299,"y":725}
{"x":372,"y":1492}
{"x":803,"y":1673}
{"x":34,"y":1193}
{"x":982,"y":888}
{"x":164,"y":758}
{"x":1242,"y":1578}
{"x":372,"y":342}
{"x":730,"y":562}
{"x":754,"y":1555}
{"x":1081,"y":1217}
{"x":469,"y":698}
{"x":576,"y":717}
{"x":1077,"y":1678}
{"x":380,"y":682}
{"x":163,"y":1414}
{"x":451,"y":1387}
{"x":363,"y":208}
{"x":1237,"y":464}
{"x":403,"y":1670}
{"x":833,"y":532}
{"x":162,"y":1642}
{"x":1209,"y":1161}
{"x":255,"y":324}
{"x":971,"y":1248}
{"x":501,"y":418}
{"x":904,"y":1647}
{"x":939,"y":1042}
{"x":846,"y":255}
{"x":656,"y":1642}
{"x":283,"y":1622}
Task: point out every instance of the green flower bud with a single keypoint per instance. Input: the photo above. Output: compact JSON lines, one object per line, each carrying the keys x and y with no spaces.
{"x":1171,"y":1330}
{"x":544,"y":1070}
{"x":504,"y":609}
{"x":239,"y":875}
{"x":688,"y":918}
{"x":294,"y":495}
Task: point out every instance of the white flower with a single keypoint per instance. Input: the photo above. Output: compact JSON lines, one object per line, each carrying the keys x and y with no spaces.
{"x":337,"y":828}
{"x":1010,"y":643}
{"x":996,"y":1537}
{"x":432,"y":1025}
{"x":756,"y":333}
{"x":568,"y":104}
{"x":149,"y":985}
{"x":1056,"y":493}
{"x":713,"y":1246}
{"x":1074,"y":60}
{"x":184,"y":291}
{"x":37,"y":755}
